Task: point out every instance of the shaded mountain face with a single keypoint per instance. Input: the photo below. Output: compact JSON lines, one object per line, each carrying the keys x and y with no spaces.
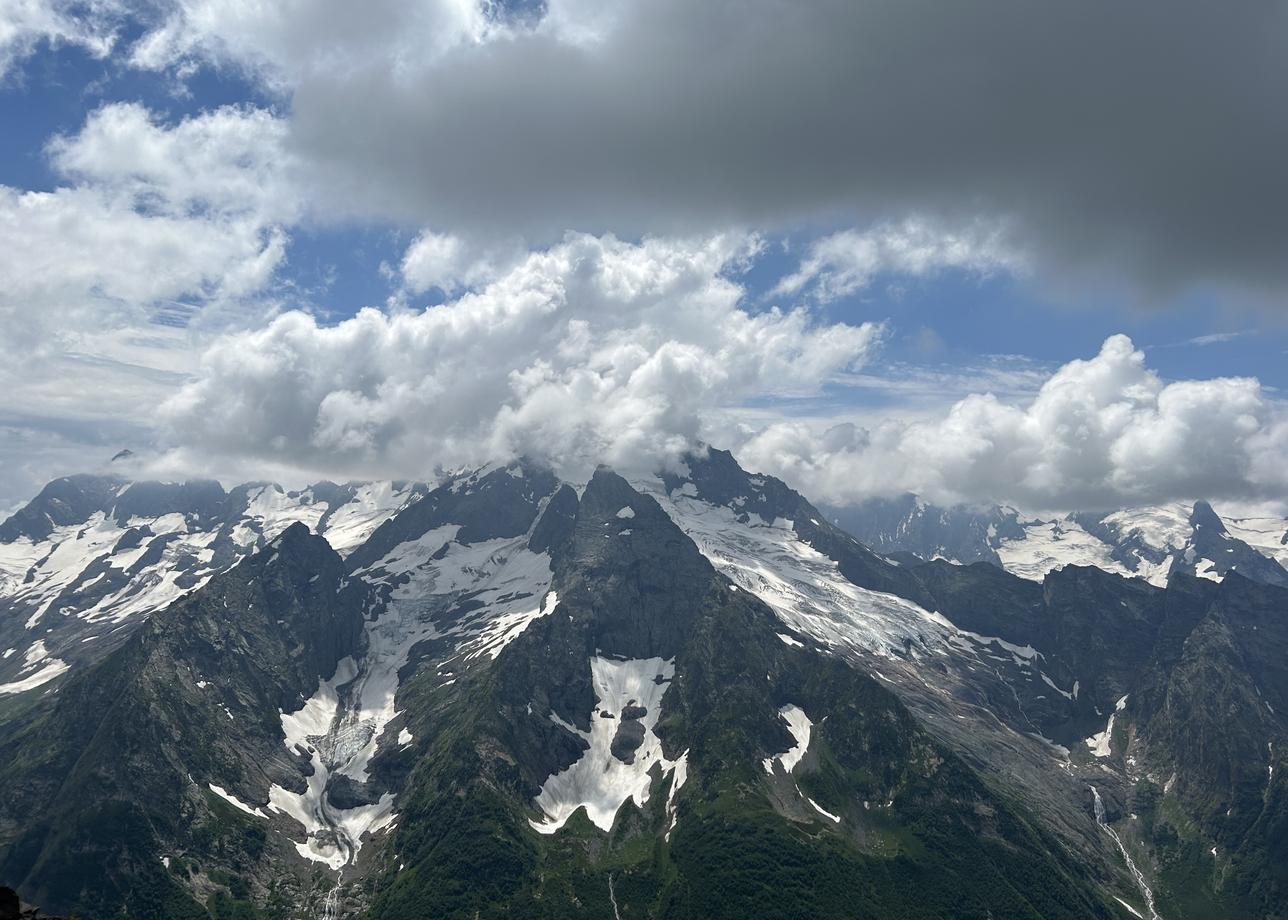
{"x":137,"y":749}
{"x":1075,"y":662}
{"x":906,"y":524}
{"x":12,"y":908}
{"x":654,"y":742}
{"x":684,"y":695}
{"x":1148,"y":542}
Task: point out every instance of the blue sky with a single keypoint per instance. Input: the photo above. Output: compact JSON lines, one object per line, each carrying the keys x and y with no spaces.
{"x":433,"y":162}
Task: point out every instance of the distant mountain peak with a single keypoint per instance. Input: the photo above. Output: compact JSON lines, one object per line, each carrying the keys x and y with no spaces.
{"x":1150,"y":542}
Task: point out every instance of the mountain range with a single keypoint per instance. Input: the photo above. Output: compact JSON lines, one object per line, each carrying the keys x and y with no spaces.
{"x":689,"y":694}
{"x":1150,"y":542}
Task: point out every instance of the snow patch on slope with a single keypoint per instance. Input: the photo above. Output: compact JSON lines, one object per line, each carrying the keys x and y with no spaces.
{"x":273,"y":510}
{"x":598,"y":781}
{"x":66,"y":553}
{"x":87,"y":581}
{"x":235,"y":802}
{"x":1099,"y":742}
{"x":333,"y":836}
{"x":506,"y":627}
{"x":799,"y":725}
{"x":1267,"y":535}
{"x":38,"y":667}
{"x":1050,"y":545}
{"x":342,"y":725}
{"x":504,"y":577}
{"x":51,"y":668}
{"x":678,"y":778}
{"x":372,"y":504}
{"x":1150,"y":539}
{"x":824,"y":812}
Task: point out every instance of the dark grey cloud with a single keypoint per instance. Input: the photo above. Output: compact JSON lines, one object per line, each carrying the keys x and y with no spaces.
{"x":1145,"y":138}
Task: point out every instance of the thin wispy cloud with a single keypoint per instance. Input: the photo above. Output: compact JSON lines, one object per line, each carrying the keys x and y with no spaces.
{"x":1211,"y":338}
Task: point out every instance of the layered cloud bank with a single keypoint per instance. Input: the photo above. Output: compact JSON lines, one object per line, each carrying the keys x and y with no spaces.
{"x":670,"y":117}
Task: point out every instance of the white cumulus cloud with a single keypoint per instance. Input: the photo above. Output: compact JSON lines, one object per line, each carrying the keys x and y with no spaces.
{"x":149,"y":214}
{"x":283,"y":41}
{"x":24,"y":24}
{"x":156,"y":237}
{"x":594,"y":350}
{"x":450,"y":263}
{"x":846,"y":262}
{"x":227,"y":160}
{"x":1101,"y":432}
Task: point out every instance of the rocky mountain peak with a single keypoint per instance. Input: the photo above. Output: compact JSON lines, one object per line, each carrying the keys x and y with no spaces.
{"x":1204,"y":517}
{"x":66,"y":501}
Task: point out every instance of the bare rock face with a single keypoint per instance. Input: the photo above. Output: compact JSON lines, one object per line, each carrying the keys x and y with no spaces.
{"x":630,"y":735}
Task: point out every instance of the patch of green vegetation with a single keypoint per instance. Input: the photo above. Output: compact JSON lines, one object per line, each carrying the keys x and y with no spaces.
{"x":1173,"y":815}
{"x":1185,"y":880}
{"x":1244,"y":882}
{"x":98,"y":846}
{"x":223,"y":906}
